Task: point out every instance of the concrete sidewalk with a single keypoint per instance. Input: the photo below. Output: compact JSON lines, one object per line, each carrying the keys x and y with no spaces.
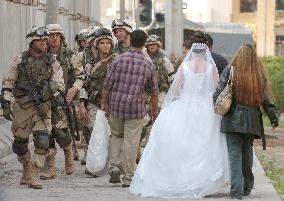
{"x":80,"y":187}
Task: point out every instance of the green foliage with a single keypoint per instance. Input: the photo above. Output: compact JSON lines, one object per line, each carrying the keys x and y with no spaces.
{"x":274,"y":174}
{"x":275,"y":66}
{"x":266,"y":121}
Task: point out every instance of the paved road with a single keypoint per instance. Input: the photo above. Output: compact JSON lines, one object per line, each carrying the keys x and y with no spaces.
{"x":80,"y":187}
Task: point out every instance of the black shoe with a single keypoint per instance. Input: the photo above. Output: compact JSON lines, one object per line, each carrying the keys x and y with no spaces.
{"x":125,"y":185}
{"x":115,"y":177}
{"x":87,"y":172}
{"x":83,"y":162}
{"x":137,"y":161}
{"x":246,"y":192}
{"x":239,"y":197}
{"x":76,"y":158}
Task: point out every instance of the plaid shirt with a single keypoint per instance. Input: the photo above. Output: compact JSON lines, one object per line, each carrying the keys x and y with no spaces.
{"x":127,"y":79}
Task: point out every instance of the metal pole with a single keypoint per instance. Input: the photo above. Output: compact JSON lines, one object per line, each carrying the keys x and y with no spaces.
{"x":265,"y":27}
{"x":137,"y":13}
{"x":122,"y":9}
{"x":52,"y":11}
{"x":174,"y":21}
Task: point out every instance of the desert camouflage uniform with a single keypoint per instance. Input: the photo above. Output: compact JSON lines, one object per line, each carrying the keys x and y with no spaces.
{"x":73,"y":77}
{"x":30,"y":118}
{"x":85,"y":58}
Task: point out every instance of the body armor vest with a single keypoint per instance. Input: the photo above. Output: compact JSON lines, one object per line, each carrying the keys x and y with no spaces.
{"x":40,"y":71}
{"x":119,"y":49}
{"x":64,"y":58}
{"x":161,"y":71}
{"x":96,"y":77}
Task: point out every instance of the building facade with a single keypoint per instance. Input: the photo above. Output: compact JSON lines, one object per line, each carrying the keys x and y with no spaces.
{"x":18,"y":16}
{"x":265,"y":18}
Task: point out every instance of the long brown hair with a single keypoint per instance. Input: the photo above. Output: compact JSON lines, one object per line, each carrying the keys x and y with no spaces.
{"x":250,"y":77}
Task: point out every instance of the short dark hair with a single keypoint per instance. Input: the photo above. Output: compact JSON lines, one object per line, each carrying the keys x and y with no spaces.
{"x":198,"y":37}
{"x":209,"y":39}
{"x":138,"y":38}
{"x":186,"y":44}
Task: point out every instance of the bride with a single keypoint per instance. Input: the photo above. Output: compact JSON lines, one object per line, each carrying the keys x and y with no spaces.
{"x":186,"y":155}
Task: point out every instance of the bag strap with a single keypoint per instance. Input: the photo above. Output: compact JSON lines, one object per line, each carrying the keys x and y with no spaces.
{"x":230,"y":80}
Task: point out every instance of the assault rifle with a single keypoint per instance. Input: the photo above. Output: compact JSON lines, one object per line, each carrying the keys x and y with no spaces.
{"x":71,"y":117}
{"x":32,"y":92}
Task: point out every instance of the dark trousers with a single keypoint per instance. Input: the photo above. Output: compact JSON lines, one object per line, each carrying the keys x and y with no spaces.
{"x":241,"y":159}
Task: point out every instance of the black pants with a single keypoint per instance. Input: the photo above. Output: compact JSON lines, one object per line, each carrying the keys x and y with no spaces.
{"x":241,"y":159}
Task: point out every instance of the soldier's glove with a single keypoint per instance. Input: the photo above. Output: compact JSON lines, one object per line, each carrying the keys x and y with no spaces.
{"x":7,"y":113}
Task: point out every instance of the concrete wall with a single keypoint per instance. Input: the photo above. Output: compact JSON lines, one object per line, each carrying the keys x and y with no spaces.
{"x":208,"y":10}
{"x":263,"y":19}
{"x":265,"y":28}
{"x":15,"y":22}
{"x":17,"y":19}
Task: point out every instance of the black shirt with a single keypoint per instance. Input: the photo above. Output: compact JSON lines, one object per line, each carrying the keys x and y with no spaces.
{"x":220,"y":61}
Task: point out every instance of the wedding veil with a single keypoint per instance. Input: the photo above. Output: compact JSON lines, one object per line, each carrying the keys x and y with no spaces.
{"x":197,"y":62}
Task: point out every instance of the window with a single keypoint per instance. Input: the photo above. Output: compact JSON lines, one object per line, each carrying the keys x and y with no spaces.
{"x":280,"y":5}
{"x":279,"y":45}
{"x":248,"y":6}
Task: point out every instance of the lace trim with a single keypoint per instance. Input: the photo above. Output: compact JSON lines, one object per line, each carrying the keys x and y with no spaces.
{"x":199,"y":46}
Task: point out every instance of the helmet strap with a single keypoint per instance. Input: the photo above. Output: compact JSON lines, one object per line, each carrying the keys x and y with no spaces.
{"x":36,"y":52}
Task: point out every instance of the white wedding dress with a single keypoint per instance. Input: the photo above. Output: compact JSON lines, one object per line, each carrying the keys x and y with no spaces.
{"x":186,"y":155}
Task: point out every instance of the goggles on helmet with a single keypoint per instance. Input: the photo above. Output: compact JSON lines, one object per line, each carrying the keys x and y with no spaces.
{"x":153,"y":39}
{"x":119,"y":23}
{"x":40,"y":32}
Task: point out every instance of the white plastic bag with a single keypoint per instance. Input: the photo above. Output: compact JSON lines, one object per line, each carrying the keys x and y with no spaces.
{"x":97,"y":155}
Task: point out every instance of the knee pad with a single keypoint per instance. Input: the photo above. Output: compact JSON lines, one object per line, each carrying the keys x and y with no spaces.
{"x":63,"y":137}
{"x":41,"y":142}
{"x":20,"y":146}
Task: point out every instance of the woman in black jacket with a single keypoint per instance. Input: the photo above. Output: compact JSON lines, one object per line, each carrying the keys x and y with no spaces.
{"x":243,"y":122}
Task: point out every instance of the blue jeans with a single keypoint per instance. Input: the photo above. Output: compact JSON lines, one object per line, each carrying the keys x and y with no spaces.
{"x":241,"y":159}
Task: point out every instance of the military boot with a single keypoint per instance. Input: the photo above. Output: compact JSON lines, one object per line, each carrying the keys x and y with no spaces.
{"x":26,"y":162}
{"x":83,"y":161}
{"x":75,"y":152}
{"x":51,"y":171}
{"x":69,"y":160}
{"x":34,"y":183}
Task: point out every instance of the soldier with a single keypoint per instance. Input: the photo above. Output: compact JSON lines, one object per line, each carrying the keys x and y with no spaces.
{"x":164,"y":71}
{"x":85,"y":58}
{"x":163,"y":66}
{"x":121,"y":30}
{"x":81,"y":39}
{"x":90,"y":94}
{"x":73,"y":79}
{"x":32,"y":80}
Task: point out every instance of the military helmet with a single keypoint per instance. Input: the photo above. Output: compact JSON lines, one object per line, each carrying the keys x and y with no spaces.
{"x":55,"y":28}
{"x":103,"y":33}
{"x":121,"y":24}
{"x":82,"y":35}
{"x":37,"y":33}
{"x":153,"y":39}
{"x":91,"y":33}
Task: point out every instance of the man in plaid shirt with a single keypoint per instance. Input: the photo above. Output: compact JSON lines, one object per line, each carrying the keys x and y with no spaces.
{"x":130,"y":75}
